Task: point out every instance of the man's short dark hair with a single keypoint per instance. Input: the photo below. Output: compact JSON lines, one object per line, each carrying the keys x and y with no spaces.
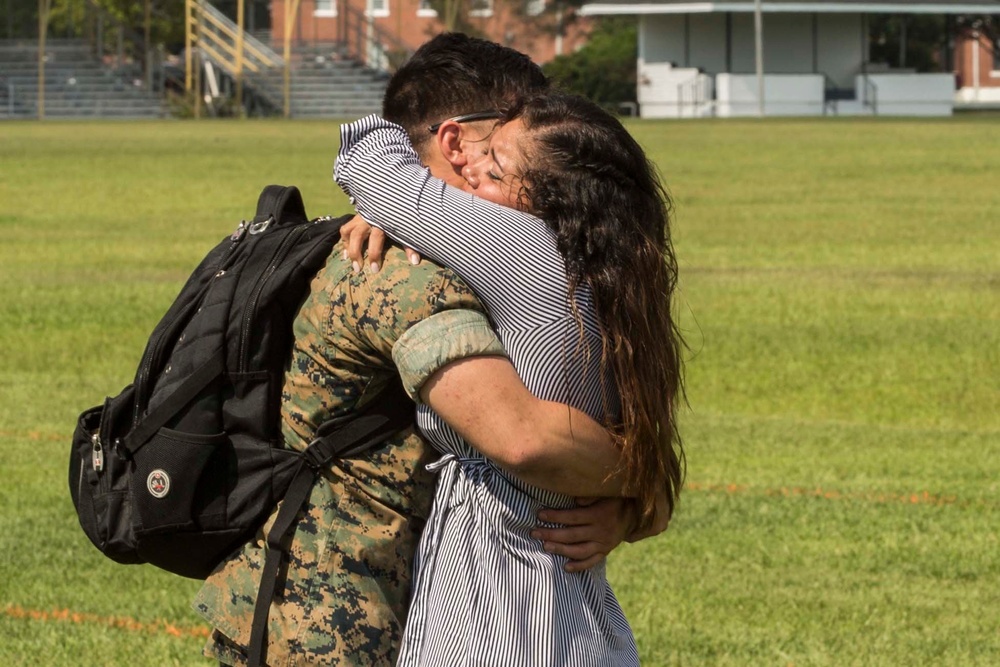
{"x":455,"y":74}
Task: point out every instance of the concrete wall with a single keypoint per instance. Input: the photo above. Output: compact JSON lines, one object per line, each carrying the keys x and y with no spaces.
{"x":909,"y":94}
{"x":666,"y":91}
{"x":973,"y":95}
{"x":784,"y":95}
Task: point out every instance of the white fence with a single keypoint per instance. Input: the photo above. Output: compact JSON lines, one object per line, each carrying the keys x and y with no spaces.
{"x":671,"y":92}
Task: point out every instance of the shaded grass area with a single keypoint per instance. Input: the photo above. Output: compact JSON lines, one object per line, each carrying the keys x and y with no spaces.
{"x":840,"y":295}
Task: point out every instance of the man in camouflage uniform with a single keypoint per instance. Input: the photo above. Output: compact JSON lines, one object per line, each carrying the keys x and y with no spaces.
{"x":345,"y":596}
{"x":348,"y":577}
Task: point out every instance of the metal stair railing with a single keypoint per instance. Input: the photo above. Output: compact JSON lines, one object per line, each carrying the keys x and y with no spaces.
{"x":212,"y":35}
{"x":692,"y":92}
{"x":363,"y":41}
{"x":829,"y":103}
{"x":870,"y":98}
{"x":221,"y":38}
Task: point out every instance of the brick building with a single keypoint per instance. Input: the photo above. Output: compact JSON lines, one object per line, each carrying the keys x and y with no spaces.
{"x":809,"y":57}
{"x":403,"y":25}
{"x":977,"y":66}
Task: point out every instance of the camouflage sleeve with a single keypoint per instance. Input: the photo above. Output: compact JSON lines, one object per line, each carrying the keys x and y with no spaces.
{"x":401,"y":295}
{"x":439,"y":340}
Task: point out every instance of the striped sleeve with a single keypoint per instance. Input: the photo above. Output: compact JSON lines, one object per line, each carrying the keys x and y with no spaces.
{"x":507,"y":256}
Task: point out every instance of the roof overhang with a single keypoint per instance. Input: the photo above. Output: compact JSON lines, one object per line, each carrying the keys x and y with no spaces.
{"x":843,"y":7}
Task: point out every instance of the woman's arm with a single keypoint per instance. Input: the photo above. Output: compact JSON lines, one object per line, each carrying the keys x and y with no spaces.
{"x":546,"y":444}
{"x":499,"y":251}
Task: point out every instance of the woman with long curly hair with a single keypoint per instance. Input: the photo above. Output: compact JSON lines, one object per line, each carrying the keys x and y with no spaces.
{"x":563,"y":232}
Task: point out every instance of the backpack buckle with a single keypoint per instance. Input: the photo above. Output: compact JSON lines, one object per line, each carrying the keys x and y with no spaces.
{"x":315,"y":458}
{"x":261,"y":226}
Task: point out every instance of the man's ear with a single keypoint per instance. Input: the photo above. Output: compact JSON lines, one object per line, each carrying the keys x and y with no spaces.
{"x":449,"y":140}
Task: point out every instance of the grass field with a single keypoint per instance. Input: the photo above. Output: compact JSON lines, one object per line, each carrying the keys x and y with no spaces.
{"x":840,"y":296}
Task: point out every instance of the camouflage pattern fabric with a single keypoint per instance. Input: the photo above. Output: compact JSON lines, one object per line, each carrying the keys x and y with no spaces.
{"x":347,"y":587}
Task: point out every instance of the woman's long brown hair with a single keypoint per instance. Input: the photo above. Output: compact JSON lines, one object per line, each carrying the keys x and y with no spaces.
{"x":592,"y":183}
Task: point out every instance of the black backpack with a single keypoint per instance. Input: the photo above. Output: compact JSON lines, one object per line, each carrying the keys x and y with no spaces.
{"x":182,"y":467}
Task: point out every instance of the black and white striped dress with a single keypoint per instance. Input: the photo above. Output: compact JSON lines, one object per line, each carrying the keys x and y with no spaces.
{"x":485,"y":593}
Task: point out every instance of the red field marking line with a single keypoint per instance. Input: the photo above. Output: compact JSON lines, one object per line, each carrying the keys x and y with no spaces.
{"x":920,"y":498}
{"x":37,"y":436}
{"x":118,"y":622}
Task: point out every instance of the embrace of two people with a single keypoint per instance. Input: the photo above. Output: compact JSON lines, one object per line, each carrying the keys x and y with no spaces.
{"x":540,"y":348}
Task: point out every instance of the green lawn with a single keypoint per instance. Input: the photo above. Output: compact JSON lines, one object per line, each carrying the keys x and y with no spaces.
{"x":840,"y":295}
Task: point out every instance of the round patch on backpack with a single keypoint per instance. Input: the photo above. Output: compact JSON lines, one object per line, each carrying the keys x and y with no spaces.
{"x":158,"y":483}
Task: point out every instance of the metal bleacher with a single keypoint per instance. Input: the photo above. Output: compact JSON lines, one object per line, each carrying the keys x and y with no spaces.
{"x":77,"y":83}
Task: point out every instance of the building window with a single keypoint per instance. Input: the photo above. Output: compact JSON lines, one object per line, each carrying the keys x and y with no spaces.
{"x":425,"y":9}
{"x":534,"y":7}
{"x":377,"y":8}
{"x":481,"y":8}
{"x":325,"y":8}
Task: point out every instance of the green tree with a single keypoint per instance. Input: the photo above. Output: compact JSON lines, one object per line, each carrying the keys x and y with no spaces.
{"x":454,"y":15}
{"x":604,"y":70}
{"x":20,"y":19}
{"x":166,"y":17}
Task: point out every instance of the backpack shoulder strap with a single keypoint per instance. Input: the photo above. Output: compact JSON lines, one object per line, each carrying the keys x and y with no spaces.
{"x":165,"y":411}
{"x":343,"y":437}
{"x":390,"y":413}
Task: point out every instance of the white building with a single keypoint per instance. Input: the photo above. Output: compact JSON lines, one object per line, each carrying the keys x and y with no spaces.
{"x":699,"y":58}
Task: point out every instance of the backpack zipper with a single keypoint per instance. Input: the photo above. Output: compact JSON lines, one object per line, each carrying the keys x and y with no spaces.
{"x":97,"y":455}
{"x":248,"y":313}
{"x":98,"y":459}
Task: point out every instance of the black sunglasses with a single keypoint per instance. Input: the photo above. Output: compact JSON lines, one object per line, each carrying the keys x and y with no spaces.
{"x":493,"y":114}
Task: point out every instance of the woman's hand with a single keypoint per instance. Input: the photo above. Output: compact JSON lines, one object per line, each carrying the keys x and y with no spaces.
{"x":356,"y":232}
{"x":591,"y":530}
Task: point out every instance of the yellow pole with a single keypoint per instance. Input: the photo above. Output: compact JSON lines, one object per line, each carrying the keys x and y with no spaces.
{"x":43,"y":28}
{"x":188,"y":44}
{"x":239,"y":55}
{"x":196,"y":54}
{"x":291,"y":9}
